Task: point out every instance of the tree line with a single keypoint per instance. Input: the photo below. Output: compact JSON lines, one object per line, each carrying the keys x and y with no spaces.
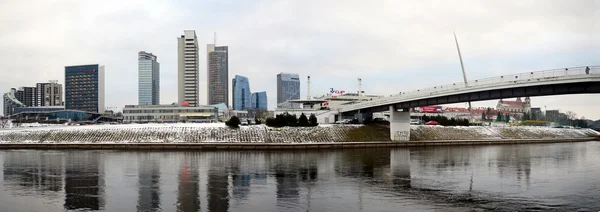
{"x":288,"y":120}
{"x":444,"y":121}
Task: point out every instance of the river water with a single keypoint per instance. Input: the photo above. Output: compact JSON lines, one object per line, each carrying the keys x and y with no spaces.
{"x":538,"y":177}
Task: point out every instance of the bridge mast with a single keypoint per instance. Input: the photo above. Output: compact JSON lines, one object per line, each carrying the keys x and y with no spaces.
{"x":462,"y":66}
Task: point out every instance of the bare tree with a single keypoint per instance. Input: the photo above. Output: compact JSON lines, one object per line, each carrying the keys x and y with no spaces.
{"x":3,"y":123}
{"x":571,"y":116}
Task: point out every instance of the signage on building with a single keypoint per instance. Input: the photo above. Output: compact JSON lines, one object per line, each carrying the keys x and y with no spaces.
{"x":431,"y":109}
{"x":336,"y":92}
{"x":185,"y":104}
{"x":90,"y":71}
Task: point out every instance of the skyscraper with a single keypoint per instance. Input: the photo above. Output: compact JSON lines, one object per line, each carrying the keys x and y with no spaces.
{"x":259,"y":100}
{"x":288,"y":87}
{"x":84,"y":88}
{"x":217,"y":74}
{"x":148,"y":79}
{"x":241,"y":93}
{"x":187,"y":69}
{"x":49,"y":94}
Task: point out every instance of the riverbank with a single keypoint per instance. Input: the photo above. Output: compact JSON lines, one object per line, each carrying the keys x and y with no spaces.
{"x":218,"y":136}
{"x":275,"y":146}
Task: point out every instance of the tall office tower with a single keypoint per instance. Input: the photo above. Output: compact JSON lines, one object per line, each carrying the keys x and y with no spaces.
{"x":148,"y":79}
{"x":217,"y":74}
{"x":259,"y":100}
{"x":241,"y":93}
{"x":84,"y":88}
{"x":188,"y":68}
{"x":49,"y":94}
{"x":288,"y":87}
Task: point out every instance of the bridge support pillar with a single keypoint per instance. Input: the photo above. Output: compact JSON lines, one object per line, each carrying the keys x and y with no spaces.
{"x":399,"y":124}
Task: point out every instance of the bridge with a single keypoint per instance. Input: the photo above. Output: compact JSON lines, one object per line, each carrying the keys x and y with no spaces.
{"x":575,"y":80}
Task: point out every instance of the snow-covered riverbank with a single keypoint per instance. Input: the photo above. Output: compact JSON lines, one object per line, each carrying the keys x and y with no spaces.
{"x":218,"y":132}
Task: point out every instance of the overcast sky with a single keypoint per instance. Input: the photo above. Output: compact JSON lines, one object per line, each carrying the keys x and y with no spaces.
{"x":392,"y":45}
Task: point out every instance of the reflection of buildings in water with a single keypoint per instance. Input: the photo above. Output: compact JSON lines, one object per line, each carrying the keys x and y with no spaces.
{"x":287,"y":184}
{"x":241,"y":185}
{"x":149,"y":185}
{"x":370,"y":163}
{"x":84,"y":181}
{"x":400,"y":167}
{"x":188,"y":196}
{"x":32,"y":171}
{"x":515,"y":159}
{"x":217,"y":187}
{"x":309,"y":174}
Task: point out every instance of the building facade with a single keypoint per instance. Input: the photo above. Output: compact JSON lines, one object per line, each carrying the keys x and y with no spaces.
{"x":11,"y":102}
{"x":49,"y":94}
{"x":241,"y":93}
{"x":188,"y":69}
{"x":84,"y":88}
{"x":217,"y":67}
{"x":518,"y":106}
{"x":288,"y":87}
{"x":259,"y":100}
{"x":148,"y":79}
{"x":27,"y":96}
{"x":169,"y":113}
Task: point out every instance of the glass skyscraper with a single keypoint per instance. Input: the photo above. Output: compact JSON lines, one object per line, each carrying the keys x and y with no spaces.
{"x":259,"y":100}
{"x":241,"y":93}
{"x":84,"y":88}
{"x":288,"y":87}
{"x":148,"y":79}
{"x":217,"y":58}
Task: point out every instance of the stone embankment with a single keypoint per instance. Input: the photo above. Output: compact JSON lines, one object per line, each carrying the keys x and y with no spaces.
{"x":218,"y":133}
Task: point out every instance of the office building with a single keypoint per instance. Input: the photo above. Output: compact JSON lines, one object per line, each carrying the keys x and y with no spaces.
{"x":288,"y":87}
{"x":241,"y":93}
{"x":11,"y":102}
{"x":188,"y":69}
{"x":259,"y":100}
{"x":26,"y":95}
{"x":49,"y":94}
{"x":169,"y":113}
{"x":217,"y":74}
{"x":84,"y":88}
{"x":148,"y":79}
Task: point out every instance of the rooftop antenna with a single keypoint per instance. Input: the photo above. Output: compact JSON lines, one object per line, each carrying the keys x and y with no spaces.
{"x":308,"y":96}
{"x":462,"y":66}
{"x":215,"y":39}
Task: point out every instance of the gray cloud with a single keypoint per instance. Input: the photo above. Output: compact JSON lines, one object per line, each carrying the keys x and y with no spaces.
{"x":393,"y":45}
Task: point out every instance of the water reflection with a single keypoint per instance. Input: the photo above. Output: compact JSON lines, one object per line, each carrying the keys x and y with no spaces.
{"x":84,"y":182}
{"x":149,"y":184}
{"x":499,"y":178}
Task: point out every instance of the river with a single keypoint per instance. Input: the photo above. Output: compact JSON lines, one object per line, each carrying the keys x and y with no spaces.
{"x":537,"y":177}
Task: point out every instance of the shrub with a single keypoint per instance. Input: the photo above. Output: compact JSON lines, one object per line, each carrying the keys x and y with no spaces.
{"x":303,"y":121}
{"x":233,"y":122}
{"x":257,"y":121}
{"x":312,"y":120}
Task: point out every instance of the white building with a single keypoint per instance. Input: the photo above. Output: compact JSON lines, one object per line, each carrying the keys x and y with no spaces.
{"x":168,"y":113}
{"x":188,"y":69}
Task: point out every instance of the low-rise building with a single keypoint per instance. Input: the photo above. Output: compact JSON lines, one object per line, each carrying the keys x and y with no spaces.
{"x":169,"y":113}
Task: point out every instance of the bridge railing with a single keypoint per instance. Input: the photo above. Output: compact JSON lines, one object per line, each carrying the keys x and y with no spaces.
{"x":528,"y":77}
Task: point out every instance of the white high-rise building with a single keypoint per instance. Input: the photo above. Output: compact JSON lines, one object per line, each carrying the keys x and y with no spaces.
{"x":188,"y":70}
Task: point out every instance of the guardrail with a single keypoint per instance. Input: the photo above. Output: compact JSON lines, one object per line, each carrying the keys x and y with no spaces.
{"x":528,"y":77}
